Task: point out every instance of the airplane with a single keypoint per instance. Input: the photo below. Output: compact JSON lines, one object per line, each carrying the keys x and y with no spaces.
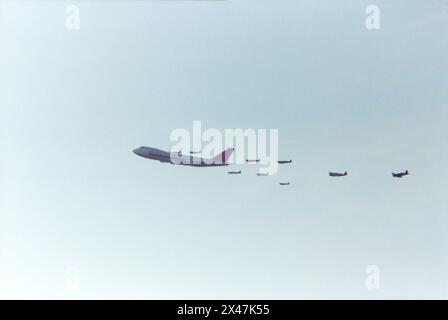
{"x":337,"y":174}
{"x":164,"y":156}
{"x":284,"y":183}
{"x":284,"y":161}
{"x":234,"y":172}
{"x":195,"y":152}
{"x":262,"y":174}
{"x":400,"y":174}
{"x":256,"y":160}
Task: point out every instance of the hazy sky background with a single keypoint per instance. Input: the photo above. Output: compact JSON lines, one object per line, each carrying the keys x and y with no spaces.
{"x":74,"y":104}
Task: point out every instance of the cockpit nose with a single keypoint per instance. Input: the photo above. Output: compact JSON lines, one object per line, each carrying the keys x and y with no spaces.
{"x":138,"y":151}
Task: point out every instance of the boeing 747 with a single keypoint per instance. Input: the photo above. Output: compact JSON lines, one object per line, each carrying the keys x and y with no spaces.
{"x":186,"y":160}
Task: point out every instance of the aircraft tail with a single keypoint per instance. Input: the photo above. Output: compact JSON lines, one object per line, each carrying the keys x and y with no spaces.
{"x":223,"y":156}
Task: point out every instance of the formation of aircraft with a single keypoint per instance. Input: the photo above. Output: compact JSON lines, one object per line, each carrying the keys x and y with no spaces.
{"x":395,"y":175}
{"x":400,"y":174}
{"x":217,"y":161}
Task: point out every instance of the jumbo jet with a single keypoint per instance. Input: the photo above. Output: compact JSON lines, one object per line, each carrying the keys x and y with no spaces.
{"x":337,"y":174}
{"x":284,"y":161}
{"x":234,"y":172}
{"x":186,"y":160}
{"x":400,"y":174}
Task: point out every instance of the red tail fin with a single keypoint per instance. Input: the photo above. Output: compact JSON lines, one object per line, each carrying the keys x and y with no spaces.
{"x":223,"y":156}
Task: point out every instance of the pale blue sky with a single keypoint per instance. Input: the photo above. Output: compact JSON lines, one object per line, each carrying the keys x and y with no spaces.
{"x":73,"y":105}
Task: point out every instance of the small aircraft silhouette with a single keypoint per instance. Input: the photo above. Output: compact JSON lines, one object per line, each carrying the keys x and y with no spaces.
{"x":234,"y":172}
{"x":400,"y":174}
{"x":262,"y":174}
{"x":284,"y":161}
{"x":284,"y":183}
{"x":255,"y":160}
{"x":337,"y":174}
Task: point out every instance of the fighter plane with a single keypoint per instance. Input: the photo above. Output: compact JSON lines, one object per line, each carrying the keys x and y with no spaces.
{"x":337,"y":174}
{"x":178,"y":158}
{"x":400,"y":174}
{"x":234,"y":172}
{"x":262,"y":174}
{"x":284,"y":183}
{"x":284,"y":161}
